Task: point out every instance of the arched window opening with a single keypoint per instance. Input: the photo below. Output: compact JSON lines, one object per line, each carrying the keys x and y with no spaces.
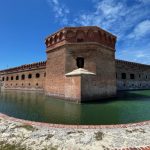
{"x":80,"y":62}
{"x":7,"y":78}
{"x":37,"y":84}
{"x":60,"y":36}
{"x":51,"y":40}
{"x":132,"y":76}
{"x":23,"y":77}
{"x":80,"y":40}
{"x":17,"y":77}
{"x":45,"y":74}
{"x":37,"y":75}
{"x":30,"y":76}
{"x":123,"y":75}
{"x":55,"y":38}
{"x":80,"y":36}
{"x":3,"y":79}
{"x":12,"y":78}
{"x":139,"y":75}
{"x":29,"y":84}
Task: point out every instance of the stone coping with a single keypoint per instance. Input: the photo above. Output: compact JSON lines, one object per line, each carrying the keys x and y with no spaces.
{"x":80,"y":71}
{"x":75,"y":126}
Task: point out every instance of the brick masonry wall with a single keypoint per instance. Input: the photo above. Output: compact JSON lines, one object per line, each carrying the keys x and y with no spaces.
{"x":35,"y":82}
{"x":103,"y":84}
{"x":97,"y":48}
{"x":68,"y":63}
{"x":73,"y":88}
{"x":98,"y":59}
{"x":55,"y":73}
{"x":141,"y":75}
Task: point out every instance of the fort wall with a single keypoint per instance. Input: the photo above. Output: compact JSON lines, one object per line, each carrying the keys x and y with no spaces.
{"x":55,"y":70}
{"x":80,"y":66}
{"x":26,"y":77}
{"x":132,"y":76}
{"x":141,"y":79}
{"x":95,"y":48}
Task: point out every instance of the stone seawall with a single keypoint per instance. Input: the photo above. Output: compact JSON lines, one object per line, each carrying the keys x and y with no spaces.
{"x":21,"y":134}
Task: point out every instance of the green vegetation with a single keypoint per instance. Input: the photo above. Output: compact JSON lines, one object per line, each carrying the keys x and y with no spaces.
{"x":80,"y":132}
{"x":53,"y":148}
{"x":49,"y":136}
{"x":136,"y":130}
{"x":73,"y":132}
{"x":27,"y":127}
{"x":6,"y":146}
{"x":99,"y":136}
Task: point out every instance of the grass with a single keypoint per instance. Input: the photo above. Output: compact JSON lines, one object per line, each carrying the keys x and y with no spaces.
{"x":27,"y":127}
{"x":6,"y":146}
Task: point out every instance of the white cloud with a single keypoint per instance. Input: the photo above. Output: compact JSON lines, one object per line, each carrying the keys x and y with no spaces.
{"x":145,"y":1}
{"x":115,"y":16}
{"x":140,"y":55}
{"x":106,"y":12}
{"x":110,"y":9}
{"x":60,"y":11}
{"x":142,"y":29}
{"x":130,"y":21}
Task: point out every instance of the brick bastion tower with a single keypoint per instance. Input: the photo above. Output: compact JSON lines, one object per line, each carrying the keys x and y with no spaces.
{"x":81,"y":64}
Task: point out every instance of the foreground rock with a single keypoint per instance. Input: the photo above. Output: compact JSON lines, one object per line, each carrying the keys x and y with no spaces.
{"x":22,"y":135}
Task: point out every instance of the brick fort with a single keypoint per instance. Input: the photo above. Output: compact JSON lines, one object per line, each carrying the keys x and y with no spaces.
{"x":80,"y":66}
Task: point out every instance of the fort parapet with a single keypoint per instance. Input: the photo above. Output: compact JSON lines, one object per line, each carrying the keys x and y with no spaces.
{"x":69,"y":35}
{"x":80,"y":66}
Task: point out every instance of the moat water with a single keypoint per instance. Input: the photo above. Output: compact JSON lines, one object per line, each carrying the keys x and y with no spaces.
{"x":128,"y":107}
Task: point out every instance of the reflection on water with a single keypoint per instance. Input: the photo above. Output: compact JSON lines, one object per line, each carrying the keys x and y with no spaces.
{"x":127,"y":107}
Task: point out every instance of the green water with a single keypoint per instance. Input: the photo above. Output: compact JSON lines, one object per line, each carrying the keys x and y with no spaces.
{"x":128,"y":107}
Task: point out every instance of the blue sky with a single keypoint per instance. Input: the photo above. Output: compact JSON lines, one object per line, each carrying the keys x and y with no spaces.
{"x":24,"y":24}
